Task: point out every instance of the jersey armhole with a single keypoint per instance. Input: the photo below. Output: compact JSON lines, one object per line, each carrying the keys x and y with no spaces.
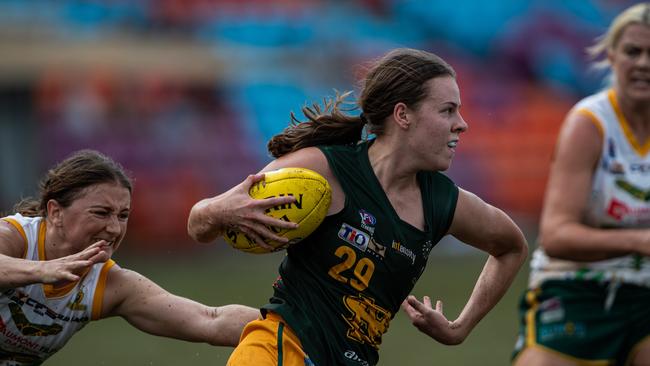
{"x":330,"y":163}
{"x":21,"y":231}
{"x":452,"y":208}
{"x":593,"y":119}
{"x":98,"y":299}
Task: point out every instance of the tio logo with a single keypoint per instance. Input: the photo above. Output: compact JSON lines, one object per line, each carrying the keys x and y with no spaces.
{"x":354,"y":236}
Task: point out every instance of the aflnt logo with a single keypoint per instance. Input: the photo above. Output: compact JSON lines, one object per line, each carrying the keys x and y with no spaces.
{"x":354,"y":236}
{"x":368,"y":221}
{"x":367,"y":218}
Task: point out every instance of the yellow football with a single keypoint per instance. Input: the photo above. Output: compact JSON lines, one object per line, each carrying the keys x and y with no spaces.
{"x":313,"y":197}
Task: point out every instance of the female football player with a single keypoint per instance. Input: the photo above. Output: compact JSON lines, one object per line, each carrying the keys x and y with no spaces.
{"x":339,"y":288}
{"x":56,"y":273}
{"x":589,"y":285}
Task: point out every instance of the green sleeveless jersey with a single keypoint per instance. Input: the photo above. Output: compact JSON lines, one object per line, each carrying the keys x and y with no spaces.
{"x":339,"y":288}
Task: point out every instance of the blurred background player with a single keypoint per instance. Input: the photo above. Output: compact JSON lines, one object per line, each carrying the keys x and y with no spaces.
{"x":589,"y":285}
{"x":56,"y":273}
{"x":339,"y":288}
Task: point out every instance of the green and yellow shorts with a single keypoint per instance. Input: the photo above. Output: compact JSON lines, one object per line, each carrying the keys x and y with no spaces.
{"x":588,"y":322}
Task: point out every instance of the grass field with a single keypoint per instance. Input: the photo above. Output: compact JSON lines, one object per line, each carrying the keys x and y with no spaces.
{"x":220,"y":276}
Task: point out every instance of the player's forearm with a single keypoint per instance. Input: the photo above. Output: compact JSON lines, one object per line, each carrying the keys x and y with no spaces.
{"x":577,"y":242}
{"x":153,"y":310}
{"x":493,"y":282}
{"x":17,"y":272}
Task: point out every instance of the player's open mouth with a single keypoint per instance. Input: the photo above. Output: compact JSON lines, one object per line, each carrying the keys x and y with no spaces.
{"x":640,"y":80}
{"x":452,"y":144}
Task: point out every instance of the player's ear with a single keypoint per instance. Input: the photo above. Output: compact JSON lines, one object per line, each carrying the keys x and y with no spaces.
{"x":54,"y":213}
{"x":401,"y":117}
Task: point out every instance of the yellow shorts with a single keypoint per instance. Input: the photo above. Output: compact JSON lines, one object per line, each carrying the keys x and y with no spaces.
{"x":266,"y":342}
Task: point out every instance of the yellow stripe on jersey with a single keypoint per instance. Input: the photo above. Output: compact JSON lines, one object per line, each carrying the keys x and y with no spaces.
{"x":41,"y":240}
{"x":641,"y":148}
{"x":98,"y":299}
{"x":592,"y":117}
{"x":20,"y":229}
{"x":50,"y":290}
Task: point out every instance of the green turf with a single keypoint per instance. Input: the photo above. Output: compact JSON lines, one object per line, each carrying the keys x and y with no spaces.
{"x":223,"y":276}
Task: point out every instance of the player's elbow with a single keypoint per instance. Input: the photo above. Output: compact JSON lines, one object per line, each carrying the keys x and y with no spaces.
{"x":219,"y":334}
{"x":516,"y":247}
{"x":196,"y":234}
{"x":550,"y":239}
{"x":522,"y":251}
{"x":198,"y":227}
{"x":200,"y":236}
{"x":509,"y":240}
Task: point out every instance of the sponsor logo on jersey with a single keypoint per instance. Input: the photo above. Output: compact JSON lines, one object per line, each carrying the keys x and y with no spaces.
{"x":367,"y":321}
{"x":551,"y":311}
{"x":426,"y":248}
{"x":26,"y":327}
{"x":368,"y":221}
{"x":614,"y":167}
{"x":403,"y":250}
{"x":76,"y":303}
{"x":376,"y":249}
{"x":611,"y":149}
{"x":18,"y":341}
{"x":278,"y":282}
{"x":22,"y":299}
{"x":617,"y":209}
{"x":566,"y":330}
{"x":643,"y":168}
{"x":351,"y":355}
{"x":354,"y":236}
{"x":620,"y":211}
{"x":633,"y":190}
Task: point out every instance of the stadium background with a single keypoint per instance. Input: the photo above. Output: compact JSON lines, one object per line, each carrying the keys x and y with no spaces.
{"x":184,"y":93}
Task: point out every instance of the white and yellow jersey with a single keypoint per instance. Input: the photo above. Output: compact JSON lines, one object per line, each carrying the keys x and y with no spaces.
{"x":620,"y":198}
{"x":37,"y":320}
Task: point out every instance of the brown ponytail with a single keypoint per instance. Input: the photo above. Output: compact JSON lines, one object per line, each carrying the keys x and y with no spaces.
{"x":326,"y":126}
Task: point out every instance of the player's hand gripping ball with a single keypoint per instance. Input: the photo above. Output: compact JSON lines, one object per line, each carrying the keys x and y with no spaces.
{"x":313,"y":197}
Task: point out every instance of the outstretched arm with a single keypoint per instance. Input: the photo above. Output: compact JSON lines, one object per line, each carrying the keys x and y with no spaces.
{"x":491,"y":230}
{"x":210,"y":217}
{"x":150,"y":308}
{"x":17,"y":272}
